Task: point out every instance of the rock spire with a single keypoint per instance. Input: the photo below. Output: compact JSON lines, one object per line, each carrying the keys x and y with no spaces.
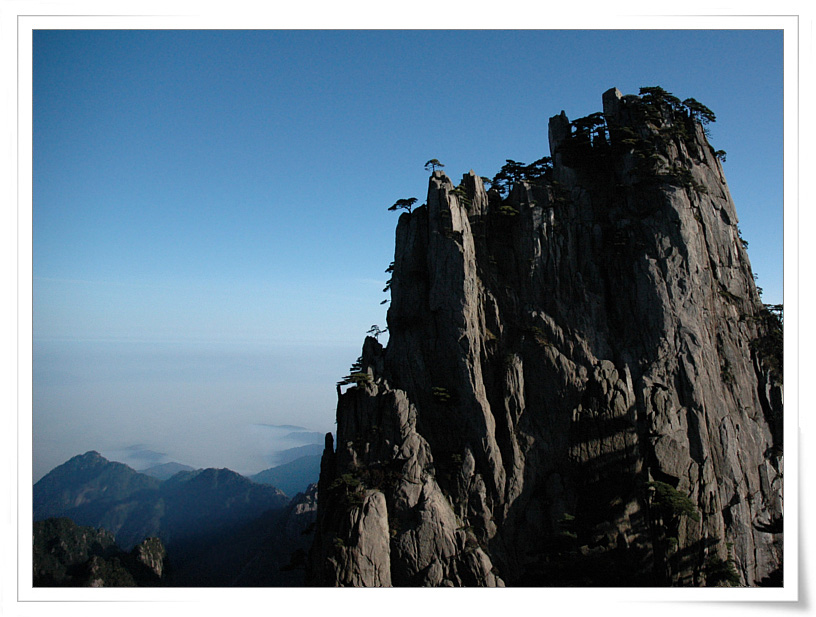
{"x":572,"y":392}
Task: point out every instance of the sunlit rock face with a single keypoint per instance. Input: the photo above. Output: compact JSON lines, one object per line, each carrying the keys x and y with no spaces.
{"x":571,"y":392}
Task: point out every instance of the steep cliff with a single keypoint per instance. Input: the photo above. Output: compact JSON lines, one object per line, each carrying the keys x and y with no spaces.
{"x":573,"y":390}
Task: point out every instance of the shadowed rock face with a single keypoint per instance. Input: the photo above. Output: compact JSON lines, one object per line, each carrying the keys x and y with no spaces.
{"x":565,"y":368}
{"x":68,"y":555}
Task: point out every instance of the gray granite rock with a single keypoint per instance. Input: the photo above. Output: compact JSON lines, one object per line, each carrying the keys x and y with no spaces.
{"x":556,"y":363}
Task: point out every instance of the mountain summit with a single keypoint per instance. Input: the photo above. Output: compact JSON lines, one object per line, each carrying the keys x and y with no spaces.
{"x":581,"y":384}
{"x":93,"y":491}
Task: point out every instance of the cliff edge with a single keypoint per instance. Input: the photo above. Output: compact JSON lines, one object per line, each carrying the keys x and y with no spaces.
{"x":574,"y":390}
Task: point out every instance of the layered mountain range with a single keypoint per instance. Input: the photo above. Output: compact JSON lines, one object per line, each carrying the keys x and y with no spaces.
{"x":581,"y":384}
{"x":94,"y":518}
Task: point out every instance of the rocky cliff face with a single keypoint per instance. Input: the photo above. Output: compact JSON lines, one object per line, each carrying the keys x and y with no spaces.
{"x":67,"y":555}
{"x":572,"y":393}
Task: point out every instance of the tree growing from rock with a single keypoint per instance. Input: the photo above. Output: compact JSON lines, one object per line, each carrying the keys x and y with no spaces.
{"x":375,"y":331}
{"x":591,"y":127}
{"x":433,"y":164}
{"x":404,"y":204}
{"x":511,"y":173}
{"x":538,"y":170}
{"x":657,"y":96}
{"x":699,"y":112}
{"x":356,"y":376}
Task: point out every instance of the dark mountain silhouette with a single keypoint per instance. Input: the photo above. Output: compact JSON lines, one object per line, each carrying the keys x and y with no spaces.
{"x":85,"y":480}
{"x":268,"y":551}
{"x":189,"y":512}
{"x":205,"y":500}
{"x":292,"y":477}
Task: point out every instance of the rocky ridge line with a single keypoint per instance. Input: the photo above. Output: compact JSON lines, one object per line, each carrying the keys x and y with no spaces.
{"x":570,"y":394}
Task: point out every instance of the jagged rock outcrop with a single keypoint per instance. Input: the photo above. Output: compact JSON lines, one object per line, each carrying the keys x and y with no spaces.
{"x":572,"y":393}
{"x":69,"y":555}
{"x":151,"y":554}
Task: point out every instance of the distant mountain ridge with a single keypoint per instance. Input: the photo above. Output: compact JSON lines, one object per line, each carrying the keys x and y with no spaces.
{"x":218,"y":527}
{"x":166,"y":470}
{"x":290,"y":454}
{"x":292,"y":477}
{"x":92,"y":491}
{"x":85,"y":479}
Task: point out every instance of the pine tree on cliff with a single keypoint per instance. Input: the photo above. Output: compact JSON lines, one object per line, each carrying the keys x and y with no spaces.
{"x":575,"y":395}
{"x":403,"y":204}
{"x":433,"y":164}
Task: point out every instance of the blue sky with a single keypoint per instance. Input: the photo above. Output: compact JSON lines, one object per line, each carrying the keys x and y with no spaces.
{"x":210,"y":208}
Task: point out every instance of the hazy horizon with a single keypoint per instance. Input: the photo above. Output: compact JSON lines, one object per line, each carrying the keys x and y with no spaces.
{"x":210,"y":224}
{"x":128,"y":399}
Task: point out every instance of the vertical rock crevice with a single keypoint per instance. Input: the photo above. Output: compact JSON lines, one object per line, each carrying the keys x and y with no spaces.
{"x":571,"y":393}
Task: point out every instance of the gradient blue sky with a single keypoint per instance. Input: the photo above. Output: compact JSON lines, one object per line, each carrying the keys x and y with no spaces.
{"x":210,"y":224}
